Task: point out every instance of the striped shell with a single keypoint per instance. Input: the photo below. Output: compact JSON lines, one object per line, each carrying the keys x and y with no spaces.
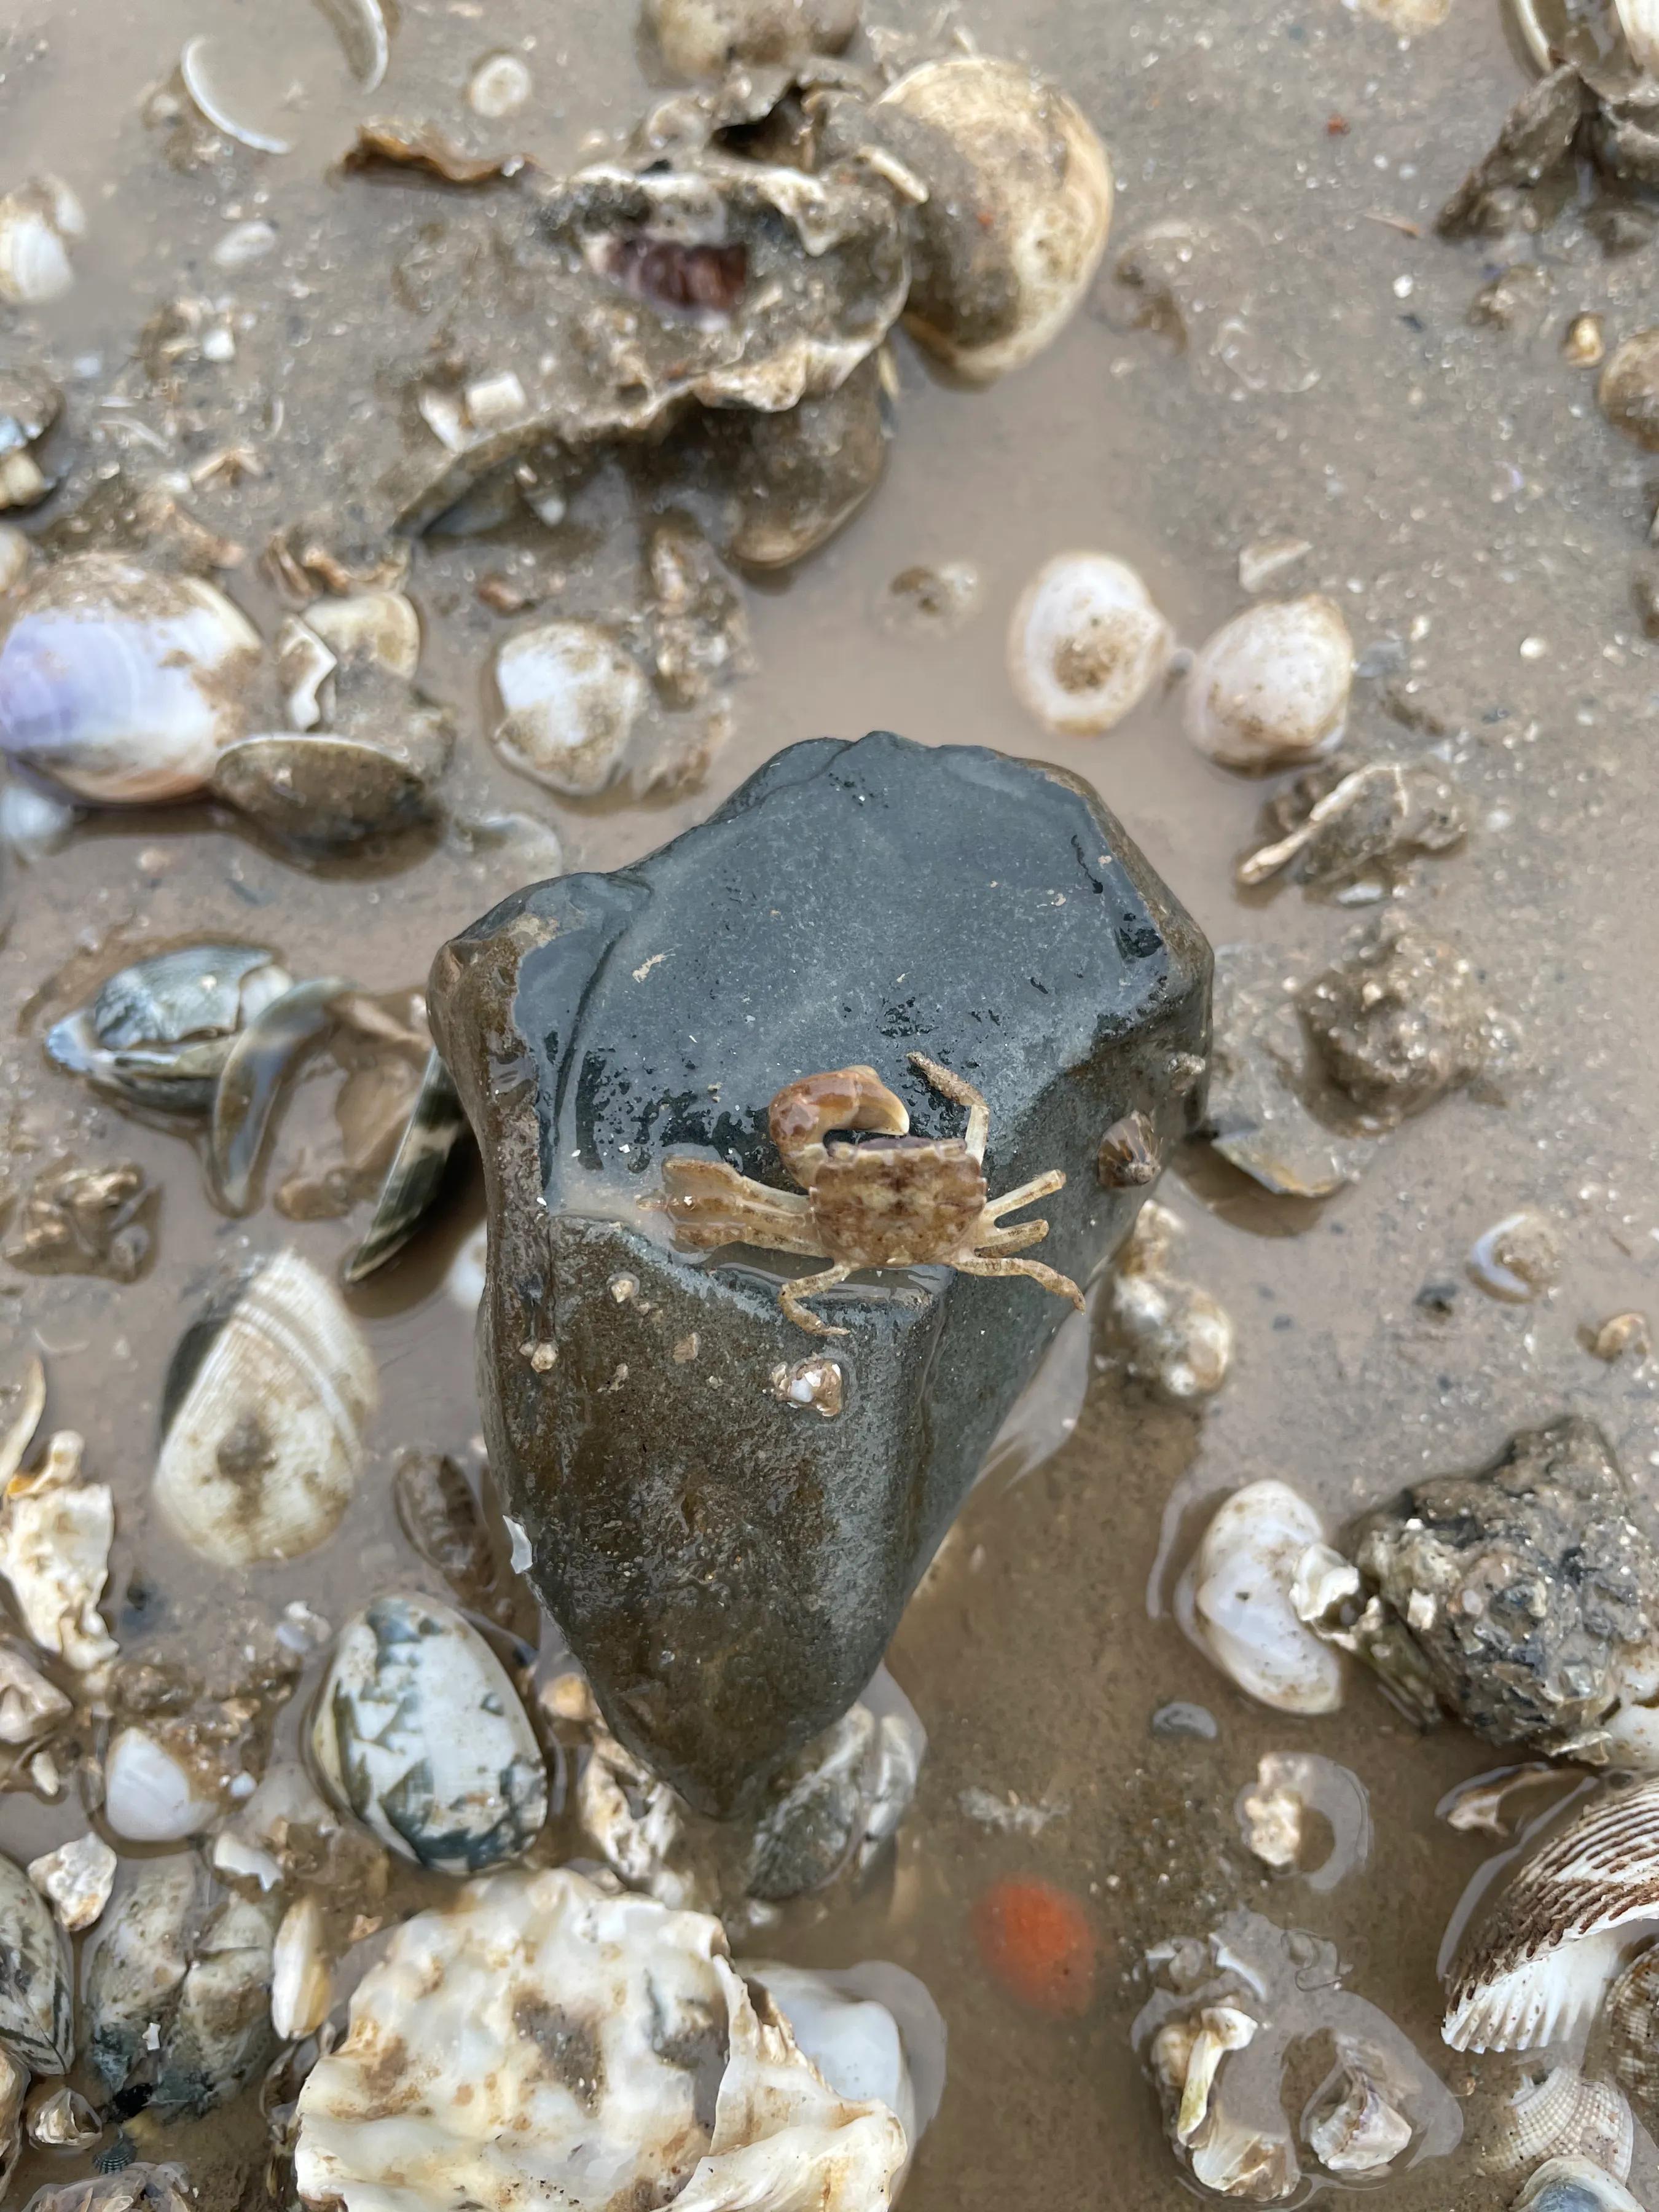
{"x":1564,"y":2115}
{"x":1541,"y":1962}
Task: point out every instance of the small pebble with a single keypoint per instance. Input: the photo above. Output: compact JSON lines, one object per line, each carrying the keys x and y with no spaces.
{"x":1624,"y":1332}
{"x":1584,"y":344}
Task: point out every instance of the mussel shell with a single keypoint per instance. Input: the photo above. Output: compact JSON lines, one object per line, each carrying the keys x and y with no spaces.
{"x":436,"y":1124}
{"x":419,"y":1732}
{"x":256,"y":1070}
{"x":119,"y":686}
{"x":321,"y":790}
{"x":262,"y":1418}
{"x":159,"y":1033}
{"x":37,"y":2005}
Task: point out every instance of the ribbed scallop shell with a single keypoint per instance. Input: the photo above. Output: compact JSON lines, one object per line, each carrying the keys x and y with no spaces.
{"x":1545,"y":1954}
{"x":1566,"y":2116}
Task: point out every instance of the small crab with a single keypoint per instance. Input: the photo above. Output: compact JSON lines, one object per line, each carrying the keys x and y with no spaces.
{"x":898,"y":1201}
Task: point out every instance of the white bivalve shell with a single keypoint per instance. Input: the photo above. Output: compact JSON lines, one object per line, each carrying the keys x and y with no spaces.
{"x":122,"y":686}
{"x":544,"y":2042}
{"x":571,"y":695}
{"x":38,"y":223}
{"x":149,"y":1796}
{"x":1019,"y":201}
{"x":301,"y":1977}
{"x":1271,"y":687}
{"x":263,"y":1417}
{"x":419,"y":1731}
{"x":1541,"y":1959}
{"x":1235,"y":1600}
{"x":1086,"y":643}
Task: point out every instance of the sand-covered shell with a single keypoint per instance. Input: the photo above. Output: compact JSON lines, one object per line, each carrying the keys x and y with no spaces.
{"x":1563,"y":2114}
{"x":1631,"y":2014}
{"x":37,"y":2005}
{"x":571,"y":694}
{"x":262,"y":1418}
{"x":704,"y":38}
{"x":1176,"y":1336}
{"x":55,"y":1533}
{"x":121,"y":686}
{"x":38,"y":223}
{"x":1019,"y":201}
{"x":1539,"y":1962}
{"x":1575,"y":2184}
{"x":1271,"y":687}
{"x":542,"y":2040}
{"x":419,"y":1731}
{"x":1235,"y":1600}
{"x":1086,"y":643}
{"x":159,"y":1033}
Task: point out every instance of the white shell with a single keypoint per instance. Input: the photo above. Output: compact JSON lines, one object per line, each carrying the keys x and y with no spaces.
{"x":37,"y":226}
{"x":382,"y":627}
{"x":301,"y":1977}
{"x":544,"y":2040}
{"x":851,"y":2036}
{"x":1235,"y":1600}
{"x":419,"y":1731}
{"x":262,"y":1454}
{"x":1177,"y":1335}
{"x":76,"y":1879}
{"x":120,"y":685}
{"x":55,"y":1535}
{"x":571,"y":695}
{"x":1575,"y":2184}
{"x":1362,"y":2133}
{"x":636,"y":1822}
{"x":498,"y":86}
{"x":1563,"y":2115}
{"x":1271,"y":687}
{"x":1640,"y":21}
{"x":1086,"y":644}
{"x":149,"y":1797}
{"x":30,"y":1706}
{"x":1041,"y":188}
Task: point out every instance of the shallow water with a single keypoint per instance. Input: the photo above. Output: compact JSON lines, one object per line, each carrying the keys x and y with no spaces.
{"x":1462,"y":497}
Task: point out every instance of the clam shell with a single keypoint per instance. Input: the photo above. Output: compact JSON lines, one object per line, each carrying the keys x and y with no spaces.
{"x":301,"y":1979}
{"x":264,"y":1416}
{"x":1563,"y":2115}
{"x":159,"y":1033}
{"x":149,"y":1797}
{"x":1541,"y":1961}
{"x":1574,"y":2184}
{"x":436,"y":1125}
{"x":1271,"y":687}
{"x":571,"y":695}
{"x":37,"y":2004}
{"x":1086,"y":644}
{"x":419,"y":1731}
{"x":256,"y":1070}
{"x":1236,"y":1601}
{"x":121,"y":686}
{"x":321,"y":789}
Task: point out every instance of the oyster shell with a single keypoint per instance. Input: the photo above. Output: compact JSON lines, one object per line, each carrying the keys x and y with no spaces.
{"x":120,"y":686}
{"x":159,"y":1033}
{"x":1273,"y":1813}
{"x":1236,"y":1603}
{"x":13,"y":2087}
{"x":76,"y":1880}
{"x":1563,"y":2115}
{"x":31,"y":1707}
{"x":37,"y":2002}
{"x":1271,"y":685}
{"x":419,"y":1731}
{"x":1086,"y":644}
{"x":62,"y":2120}
{"x":1175,"y":1333}
{"x":1541,"y":1961}
{"x":1361,"y":2131}
{"x":262,"y":1418}
{"x":872,"y":2030}
{"x":543,"y":2036}
{"x":703,"y":38}
{"x":1400,"y":1021}
{"x":55,"y":1534}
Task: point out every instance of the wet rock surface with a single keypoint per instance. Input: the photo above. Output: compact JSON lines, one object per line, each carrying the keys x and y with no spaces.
{"x":729,"y":1564}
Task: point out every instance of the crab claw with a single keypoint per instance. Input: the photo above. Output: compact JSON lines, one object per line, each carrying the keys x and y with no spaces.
{"x":803,"y":1114}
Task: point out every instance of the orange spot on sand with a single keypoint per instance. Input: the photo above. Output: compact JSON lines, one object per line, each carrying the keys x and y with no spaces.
{"x":1039,"y":1942}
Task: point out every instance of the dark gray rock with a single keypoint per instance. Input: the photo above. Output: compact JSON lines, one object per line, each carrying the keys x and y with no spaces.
{"x":729,"y":1559}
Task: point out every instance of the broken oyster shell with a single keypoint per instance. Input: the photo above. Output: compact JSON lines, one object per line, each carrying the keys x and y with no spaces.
{"x":1354,"y":835}
{"x":1177,"y":1335}
{"x":1272,"y":1811}
{"x":1360,"y":2132}
{"x":543,"y":2035}
{"x":55,"y":1534}
{"x":1270,"y":686}
{"x":1542,"y":1959}
{"x":37,"y":2002}
{"x":75,"y":1880}
{"x":158,"y":1034}
{"x":1258,"y":1115}
{"x":1561,"y":2114}
{"x":30,"y":405}
{"x":119,"y":686}
{"x":62,"y":2120}
{"x":135,"y":2187}
{"x":1235,"y":1600}
{"x":1086,"y":643}
{"x":31,"y":1707}
{"x":262,"y":1418}
{"x":419,"y":1731}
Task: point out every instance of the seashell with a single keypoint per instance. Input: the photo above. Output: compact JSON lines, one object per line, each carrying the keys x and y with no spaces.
{"x":419,"y":1731}
{"x":138,"y":1963}
{"x":262,"y":1418}
{"x":436,"y":1125}
{"x":37,"y":2005}
{"x":75,"y":1880}
{"x":150,"y":1796}
{"x":1235,"y":1600}
{"x":31,"y":1707}
{"x":1517,"y":1259}
{"x":160,"y":1033}
{"x":1019,"y":202}
{"x":244,"y":244}
{"x":119,"y":686}
{"x":37,"y":226}
{"x":622,"y":2060}
{"x":926,"y":601}
{"x":55,"y":1534}
{"x":1629,"y":388}
{"x":705,"y":38}
{"x":364,"y":38}
{"x":845,"y":2023}
{"x":301,"y":1977}
{"x":1177,"y":1335}
{"x":1542,"y":1959}
{"x":571,"y":696}
{"x":499,"y":86}
{"x":1563,"y":2115}
{"x":842,"y":1798}
{"x":62,"y":2120}
{"x":1273,"y":1811}
{"x":1271,"y":687}
{"x":1631,"y":2014}
{"x":261,"y":1059}
{"x":322,"y":789}
{"x":1086,"y":644}
{"x":1363,"y":2132}
{"x":30,"y":405}
{"x":194,"y":73}
{"x":16,"y":559}
{"x":13,"y":2087}
{"x":32,"y":824}
{"x":285,"y":1831}
{"x":1574,"y":2184}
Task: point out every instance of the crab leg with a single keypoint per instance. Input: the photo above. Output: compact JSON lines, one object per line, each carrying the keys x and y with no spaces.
{"x":808,"y":1286}
{"x":950,"y":1085}
{"x":1042,"y":1186}
{"x":710,"y":1204}
{"x":1014,"y":1238}
{"x":1051,"y":1279}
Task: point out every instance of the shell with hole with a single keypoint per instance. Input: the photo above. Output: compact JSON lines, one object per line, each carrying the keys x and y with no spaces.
{"x":622,"y":2060}
{"x":1086,"y":643}
{"x":120,"y":686}
{"x":1270,"y":689}
{"x":262,"y":1418}
{"x":1235,"y":1600}
{"x":1538,"y":1963}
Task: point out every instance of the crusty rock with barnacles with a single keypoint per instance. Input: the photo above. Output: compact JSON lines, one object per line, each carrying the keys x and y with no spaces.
{"x":893,"y":1201}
